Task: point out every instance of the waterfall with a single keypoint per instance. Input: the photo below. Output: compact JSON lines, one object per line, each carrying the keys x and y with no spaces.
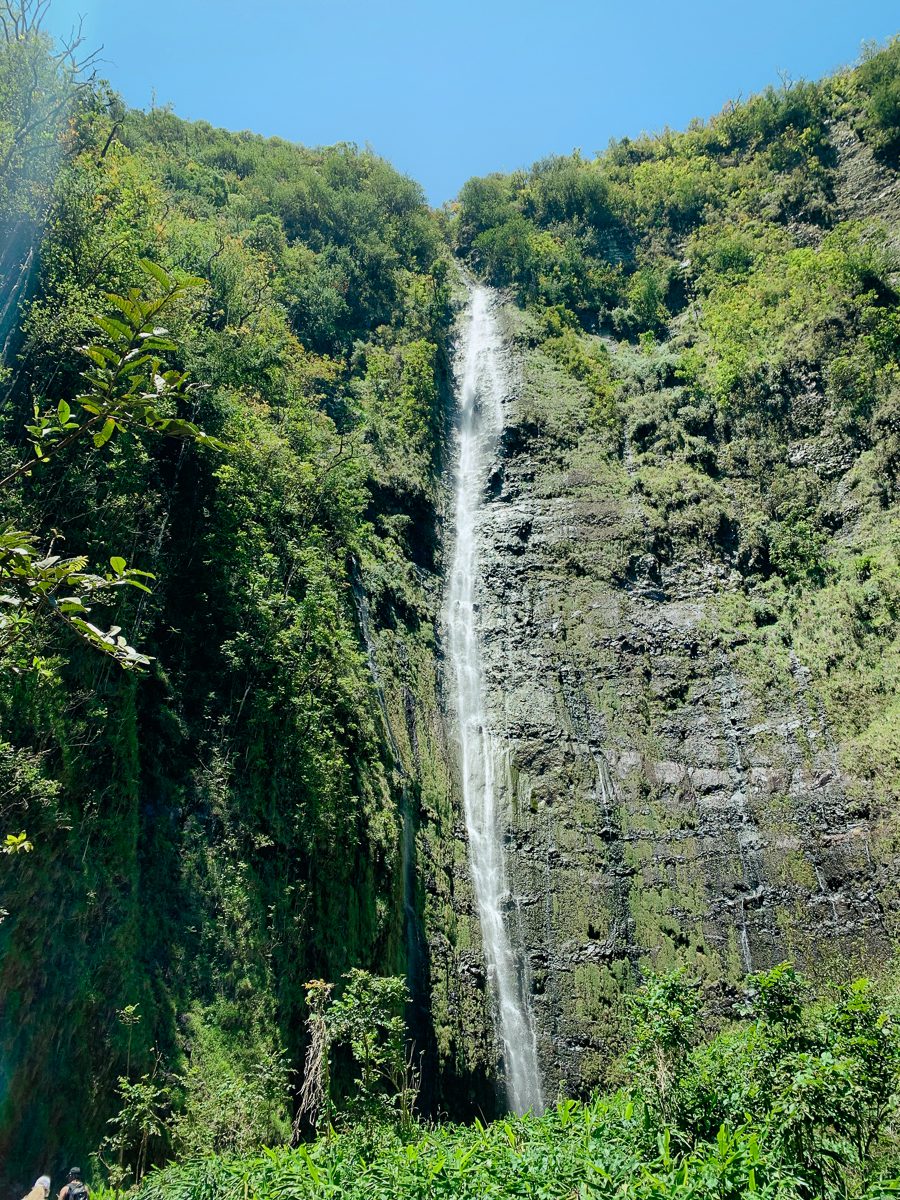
{"x":481,"y":383}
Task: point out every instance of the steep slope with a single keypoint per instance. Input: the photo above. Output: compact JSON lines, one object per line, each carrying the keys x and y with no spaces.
{"x":211,"y":834}
{"x":689,"y":605}
{"x":667,"y":801}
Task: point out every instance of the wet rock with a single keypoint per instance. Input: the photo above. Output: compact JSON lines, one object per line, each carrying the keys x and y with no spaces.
{"x":655,"y":810}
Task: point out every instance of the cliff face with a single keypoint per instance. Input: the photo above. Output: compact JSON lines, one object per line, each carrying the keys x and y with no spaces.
{"x":662,"y":807}
{"x":698,"y":756}
{"x":668,"y":799}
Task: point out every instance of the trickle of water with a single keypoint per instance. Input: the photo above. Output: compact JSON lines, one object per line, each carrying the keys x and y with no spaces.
{"x":481,"y":389}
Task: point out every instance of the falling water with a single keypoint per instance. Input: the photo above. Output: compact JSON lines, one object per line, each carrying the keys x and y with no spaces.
{"x":481,"y":387}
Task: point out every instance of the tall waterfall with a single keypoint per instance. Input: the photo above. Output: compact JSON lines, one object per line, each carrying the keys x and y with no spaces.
{"x":481,"y":387}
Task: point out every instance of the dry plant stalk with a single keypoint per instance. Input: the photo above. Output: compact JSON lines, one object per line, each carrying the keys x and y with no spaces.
{"x":314,"y":1092}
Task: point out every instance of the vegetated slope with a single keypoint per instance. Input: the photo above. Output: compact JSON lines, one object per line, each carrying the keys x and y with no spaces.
{"x":213,"y":833}
{"x":789,"y":1103}
{"x":691,"y":565}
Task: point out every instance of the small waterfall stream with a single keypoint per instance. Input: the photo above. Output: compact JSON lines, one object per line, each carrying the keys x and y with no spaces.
{"x":481,"y":381}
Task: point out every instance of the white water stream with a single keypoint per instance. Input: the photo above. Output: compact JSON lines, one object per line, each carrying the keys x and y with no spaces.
{"x":481,"y":383}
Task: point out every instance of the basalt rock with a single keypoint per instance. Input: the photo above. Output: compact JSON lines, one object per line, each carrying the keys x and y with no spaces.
{"x":660,"y":806}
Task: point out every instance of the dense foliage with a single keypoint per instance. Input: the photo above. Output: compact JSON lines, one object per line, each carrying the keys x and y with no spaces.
{"x":212,"y":830}
{"x":790,"y":1102}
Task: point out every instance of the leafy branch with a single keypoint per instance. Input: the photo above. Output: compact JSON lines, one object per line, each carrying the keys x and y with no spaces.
{"x":126,"y":385}
{"x":16,"y":843}
{"x":126,"y":388}
{"x":61,"y":587}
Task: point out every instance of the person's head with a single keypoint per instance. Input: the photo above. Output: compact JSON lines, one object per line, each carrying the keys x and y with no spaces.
{"x":74,"y":1173}
{"x":43,"y":1181}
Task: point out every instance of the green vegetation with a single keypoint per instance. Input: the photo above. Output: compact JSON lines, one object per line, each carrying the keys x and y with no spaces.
{"x":879,"y":80}
{"x":262,"y":473}
{"x":367,"y":1018}
{"x":214,"y":829}
{"x":126,"y":388}
{"x":793,"y":1101}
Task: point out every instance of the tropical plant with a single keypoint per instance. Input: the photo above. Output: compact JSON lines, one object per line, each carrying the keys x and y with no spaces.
{"x":139,"y":1121}
{"x":664,"y":1013}
{"x":367,"y":1017}
{"x":126,"y":389}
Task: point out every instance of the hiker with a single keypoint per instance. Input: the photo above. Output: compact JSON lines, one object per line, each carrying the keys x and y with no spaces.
{"x":41,"y":1189}
{"x":76,"y":1188}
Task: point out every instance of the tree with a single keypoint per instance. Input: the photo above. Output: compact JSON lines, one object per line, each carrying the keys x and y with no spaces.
{"x":367,"y":1018}
{"x":39,"y":84}
{"x":126,"y":389}
{"x":139,"y":1121}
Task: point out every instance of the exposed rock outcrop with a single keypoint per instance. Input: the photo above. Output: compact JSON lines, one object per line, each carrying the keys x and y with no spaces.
{"x":662,"y":805}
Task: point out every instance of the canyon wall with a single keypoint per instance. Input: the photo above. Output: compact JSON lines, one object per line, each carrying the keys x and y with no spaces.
{"x":675,"y":791}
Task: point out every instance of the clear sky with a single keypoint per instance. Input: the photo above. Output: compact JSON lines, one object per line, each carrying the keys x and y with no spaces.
{"x":455,"y":88}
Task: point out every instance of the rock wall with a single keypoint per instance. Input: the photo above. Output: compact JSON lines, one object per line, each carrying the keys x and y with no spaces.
{"x":667,"y":800}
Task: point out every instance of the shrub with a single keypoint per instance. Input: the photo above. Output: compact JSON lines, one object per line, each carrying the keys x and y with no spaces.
{"x":878,"y":82}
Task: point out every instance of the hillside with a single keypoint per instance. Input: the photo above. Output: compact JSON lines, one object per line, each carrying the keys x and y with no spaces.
{"x":687,"y":611}
{"x":214,"y":832}
{"x":690,"y":550}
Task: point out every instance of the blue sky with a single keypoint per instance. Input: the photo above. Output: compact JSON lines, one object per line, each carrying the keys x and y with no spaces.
{"x":447,"y":89}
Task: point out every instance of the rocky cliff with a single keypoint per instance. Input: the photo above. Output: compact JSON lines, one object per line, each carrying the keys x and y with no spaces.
{"x":665,"y":802}
{"x":685,"y":781}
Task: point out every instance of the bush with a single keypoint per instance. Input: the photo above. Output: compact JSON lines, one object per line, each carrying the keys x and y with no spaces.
{"x":793,"y":1103}
{"x":878,"y":82}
